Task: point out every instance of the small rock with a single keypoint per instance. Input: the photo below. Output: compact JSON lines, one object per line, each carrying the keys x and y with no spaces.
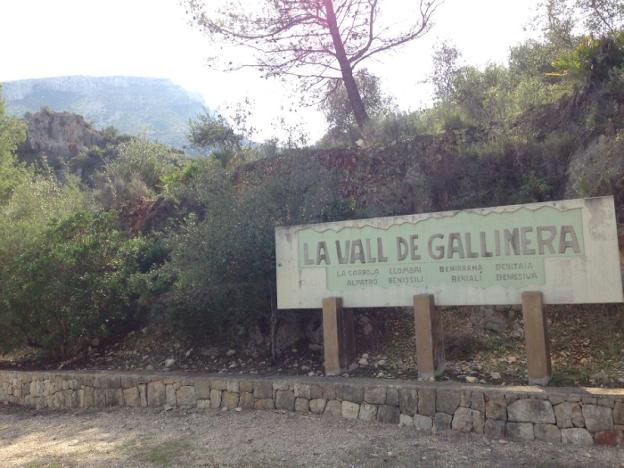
{"x":471,"y":379}
{"x":600,"y":378}
{"x":169,"y":363}
{"x":230,"y":352}
{"x":233,"y":364}
{"x":305,"y":368}
{"x":380,"y":363}
{"x":363,"y":362}
{"x":495,"y":375}
{"x":315,"y":347}
{"x":149,"y":367}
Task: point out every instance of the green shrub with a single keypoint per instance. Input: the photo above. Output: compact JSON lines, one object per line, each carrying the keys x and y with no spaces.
{"x":222,"y":255}
{"x":137,"y":172}
{"x":79,"y":281}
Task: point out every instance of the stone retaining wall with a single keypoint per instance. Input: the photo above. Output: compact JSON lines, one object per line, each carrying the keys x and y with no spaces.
{"x":579,"y":416}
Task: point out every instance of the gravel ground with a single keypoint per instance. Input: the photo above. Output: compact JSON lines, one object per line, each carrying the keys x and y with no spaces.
{"x":145,"y":437}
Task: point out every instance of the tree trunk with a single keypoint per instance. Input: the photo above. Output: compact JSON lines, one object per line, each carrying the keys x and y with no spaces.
{"x":357,"y":106}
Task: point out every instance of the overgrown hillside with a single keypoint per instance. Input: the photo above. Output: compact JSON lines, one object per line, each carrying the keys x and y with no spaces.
{"x":129,"y":243}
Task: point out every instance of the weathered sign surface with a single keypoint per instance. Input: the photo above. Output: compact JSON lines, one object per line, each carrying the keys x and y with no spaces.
{"x":566,"y":249}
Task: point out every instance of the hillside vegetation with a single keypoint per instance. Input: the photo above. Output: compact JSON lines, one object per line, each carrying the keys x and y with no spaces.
{"x":118,"y":234}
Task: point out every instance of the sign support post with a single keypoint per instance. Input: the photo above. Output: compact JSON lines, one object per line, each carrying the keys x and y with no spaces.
{"x":429,"y":337}
{"x":536,"y":338}
{"x":338,"y":336}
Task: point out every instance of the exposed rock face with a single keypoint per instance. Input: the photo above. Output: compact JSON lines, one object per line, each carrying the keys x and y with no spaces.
{"x":60,"y":133}
{"x":59,"y":137}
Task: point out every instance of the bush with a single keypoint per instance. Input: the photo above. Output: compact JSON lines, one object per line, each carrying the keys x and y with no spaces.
{"x":35,"y":201}
{"x":137,"y":172}
{"x":78,"y":282}
{"x":222,"y":255}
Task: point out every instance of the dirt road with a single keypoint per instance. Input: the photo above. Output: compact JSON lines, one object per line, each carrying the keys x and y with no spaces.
{"x":257,"y":438}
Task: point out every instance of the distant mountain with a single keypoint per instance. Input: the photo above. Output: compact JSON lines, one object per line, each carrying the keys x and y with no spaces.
{"x":154,"y":107}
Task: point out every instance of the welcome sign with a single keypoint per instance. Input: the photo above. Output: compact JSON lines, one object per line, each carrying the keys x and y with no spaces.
{"x":566,"y":249}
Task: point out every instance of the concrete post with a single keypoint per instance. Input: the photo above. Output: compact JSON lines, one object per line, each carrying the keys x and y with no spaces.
{"x":429,"y":337}
{"x":536,"y":338}
{"x":338,"y":336}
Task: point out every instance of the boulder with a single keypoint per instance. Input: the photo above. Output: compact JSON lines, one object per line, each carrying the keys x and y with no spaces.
{"x":368,"y":412}
{"x":468,"y":420}
{"x":576,"y":436}
{"x":350,"y":410}
{"x":598,"y":418}
{"x":530,"y":410}
{"x":520,"y":430}
{"x":569,"y":415}
{"x":423,"y":423}
{"x":442,"y":422}
{"x":408,"y":401}
{"x":547,"y":433}
{"x":447,"y":401}
{"x":388,"y":414}
{"x":285,"y":400}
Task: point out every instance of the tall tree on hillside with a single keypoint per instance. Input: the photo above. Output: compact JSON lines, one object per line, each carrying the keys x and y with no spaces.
{"x":562,"y":20}
{"x":603,"y":17}
{"x":337,"y":107}
{"x":446,"y":65}
{"x":317,"y":41}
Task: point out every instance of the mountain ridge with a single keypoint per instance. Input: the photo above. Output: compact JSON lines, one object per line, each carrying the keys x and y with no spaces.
{"x":155,"y":107}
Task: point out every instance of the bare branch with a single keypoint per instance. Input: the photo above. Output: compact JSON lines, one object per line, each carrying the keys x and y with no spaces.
{"x":318,"y":41}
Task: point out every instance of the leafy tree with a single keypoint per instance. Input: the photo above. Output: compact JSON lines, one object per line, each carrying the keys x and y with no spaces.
{"x":79,"y":281}
{"x":213,"y":132}
{"x":557,"y":20}
{"x":561,"y":19}
{"x":316,"y":41}
{"x":339,"y":113}
{"x":137,"y":172}
{"x":602,"y":17}
{"x":35,"y":201}
{"x":222,"y":254}
{"x":446,"y":59}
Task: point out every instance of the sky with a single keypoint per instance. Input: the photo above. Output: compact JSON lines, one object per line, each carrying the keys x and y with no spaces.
{"x":43,"y":38}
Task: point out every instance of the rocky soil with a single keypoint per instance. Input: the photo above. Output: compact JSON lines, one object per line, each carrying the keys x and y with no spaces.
{"x":483,"y":345}
{"x":145,"y":437}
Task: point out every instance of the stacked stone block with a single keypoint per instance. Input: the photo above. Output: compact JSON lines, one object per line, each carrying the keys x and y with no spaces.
{"x":569,"y":416}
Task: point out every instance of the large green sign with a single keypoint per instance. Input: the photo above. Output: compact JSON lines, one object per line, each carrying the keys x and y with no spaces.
{"x":566,"y":249}
{"x":468,"y":249}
